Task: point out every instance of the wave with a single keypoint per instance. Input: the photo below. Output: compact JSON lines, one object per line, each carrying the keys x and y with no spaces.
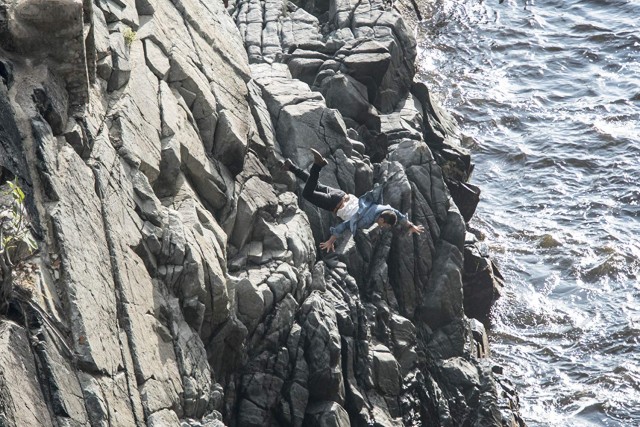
{"x":587,"y":28}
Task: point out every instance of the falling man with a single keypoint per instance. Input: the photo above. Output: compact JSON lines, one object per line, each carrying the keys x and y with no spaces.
{"x":355,"y":212}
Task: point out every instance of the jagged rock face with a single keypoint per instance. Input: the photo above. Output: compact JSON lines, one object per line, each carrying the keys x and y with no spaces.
{"x":178,"y":279}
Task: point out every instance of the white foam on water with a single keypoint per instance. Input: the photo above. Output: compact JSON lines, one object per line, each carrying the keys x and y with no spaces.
{"x":617,"y":128}
{"x":546,"y":92}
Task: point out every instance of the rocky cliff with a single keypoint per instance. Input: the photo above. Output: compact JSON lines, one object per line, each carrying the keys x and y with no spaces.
{"x":178,"y":279}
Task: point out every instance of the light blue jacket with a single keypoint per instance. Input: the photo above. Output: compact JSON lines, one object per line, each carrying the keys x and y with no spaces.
{"x":368,"y":213}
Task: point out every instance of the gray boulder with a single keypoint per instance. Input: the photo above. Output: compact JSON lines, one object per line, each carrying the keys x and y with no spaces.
{"x":157,"y":60}
{"x":121,"y":67}
{"x":386,"y":371}
{"x":50,"y":33}
{"x":483,"y":283}
{"x":321,"y":344}
{"x":326,"y":414}
{"x":350,"y":97}
{"x":21,"y":399}
{"x":442,"y":300}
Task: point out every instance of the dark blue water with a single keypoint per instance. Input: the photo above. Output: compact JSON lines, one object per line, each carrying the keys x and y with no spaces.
{"x":547,"y":95}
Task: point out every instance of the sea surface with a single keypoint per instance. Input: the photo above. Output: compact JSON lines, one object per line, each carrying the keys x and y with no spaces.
{"x":547,"y":96}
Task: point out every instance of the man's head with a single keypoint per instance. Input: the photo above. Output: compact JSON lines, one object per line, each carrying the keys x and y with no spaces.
{"x":387,"y":219}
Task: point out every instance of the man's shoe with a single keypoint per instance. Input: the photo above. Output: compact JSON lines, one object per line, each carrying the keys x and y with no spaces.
{"x":286,"y":165}
{"x":317,"y":158}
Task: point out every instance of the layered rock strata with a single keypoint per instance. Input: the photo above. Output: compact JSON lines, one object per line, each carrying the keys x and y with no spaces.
{"x":178,"y":280}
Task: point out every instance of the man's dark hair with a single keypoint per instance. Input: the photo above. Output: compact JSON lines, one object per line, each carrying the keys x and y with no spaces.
{"x":389,"y":217}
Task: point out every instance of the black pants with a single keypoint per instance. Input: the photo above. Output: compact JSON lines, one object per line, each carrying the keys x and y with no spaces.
{"x":320,"y":195}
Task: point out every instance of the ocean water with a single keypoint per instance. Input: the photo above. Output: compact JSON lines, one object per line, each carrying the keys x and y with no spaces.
{"x":547,"y":95}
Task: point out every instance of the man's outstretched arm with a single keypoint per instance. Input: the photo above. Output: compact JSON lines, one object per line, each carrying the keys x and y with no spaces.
{"x":335,"y":232}
{"x":417,"y":229}
{"x":339,"y":229}
{"x":411,"y":227}
{"x":328,"y":245}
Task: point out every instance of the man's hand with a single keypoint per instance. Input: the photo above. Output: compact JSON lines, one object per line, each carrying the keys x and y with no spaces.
{"x":417,"y":229}
{"x":328,"y":245}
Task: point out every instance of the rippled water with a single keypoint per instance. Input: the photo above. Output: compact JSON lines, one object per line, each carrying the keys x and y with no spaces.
{"x":547,"y":95}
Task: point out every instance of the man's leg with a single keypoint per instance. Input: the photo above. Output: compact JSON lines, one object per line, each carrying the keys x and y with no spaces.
{"x":320,"y":195}
{"x":299,"y":173}
{"x":302,"y":175}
